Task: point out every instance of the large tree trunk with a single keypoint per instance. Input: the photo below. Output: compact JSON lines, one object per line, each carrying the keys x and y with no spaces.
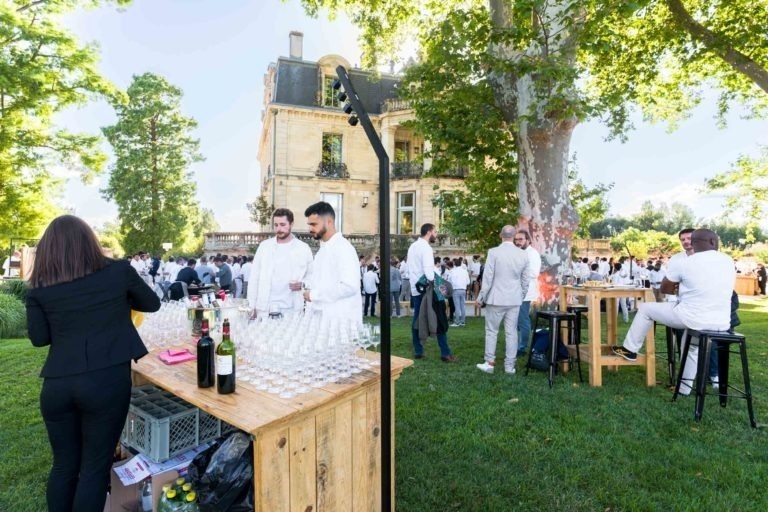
{"x":545,"y":207}
{"x":542,"y":135}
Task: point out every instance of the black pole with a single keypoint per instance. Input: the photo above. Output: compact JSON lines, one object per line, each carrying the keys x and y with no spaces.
{"x":386,"y":296}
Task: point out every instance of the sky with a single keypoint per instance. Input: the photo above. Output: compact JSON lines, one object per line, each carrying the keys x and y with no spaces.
{"x":217,"y":52}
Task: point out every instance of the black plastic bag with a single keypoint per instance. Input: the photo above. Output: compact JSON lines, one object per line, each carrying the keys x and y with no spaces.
{"x":228,"y":476}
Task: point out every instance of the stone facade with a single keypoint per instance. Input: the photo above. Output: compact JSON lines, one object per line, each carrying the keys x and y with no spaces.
{"x":298,"y":170}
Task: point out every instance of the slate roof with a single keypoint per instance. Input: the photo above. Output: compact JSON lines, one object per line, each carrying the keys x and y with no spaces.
{"x":299,"y":82}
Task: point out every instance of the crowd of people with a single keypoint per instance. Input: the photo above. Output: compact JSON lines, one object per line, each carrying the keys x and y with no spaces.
{"x":72,"y":279}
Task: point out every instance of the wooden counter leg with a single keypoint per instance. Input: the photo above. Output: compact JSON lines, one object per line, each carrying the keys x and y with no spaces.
{"x":270,"y":470}
{"x":650,"y":350}
{"x":611,"y":325}
{"x":595,"y":349}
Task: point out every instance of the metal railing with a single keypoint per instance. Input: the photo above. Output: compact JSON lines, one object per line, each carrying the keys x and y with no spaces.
{"x":407,"y":170}
{"x":332,"y":170}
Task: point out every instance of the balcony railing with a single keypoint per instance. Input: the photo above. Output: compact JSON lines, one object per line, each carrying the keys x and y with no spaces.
{"x":395,"y":105}
{"x":332,"y":170}
{"x":415,"y":170}
{"x":407,"y":170}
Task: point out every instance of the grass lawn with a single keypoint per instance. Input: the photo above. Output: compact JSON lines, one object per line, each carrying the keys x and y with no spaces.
{"x":468,"y":441}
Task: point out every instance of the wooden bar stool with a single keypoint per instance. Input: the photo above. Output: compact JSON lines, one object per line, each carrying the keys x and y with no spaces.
{"x":724,"y":341}
{"x":554,"y":321}
{"x":574,"y":335}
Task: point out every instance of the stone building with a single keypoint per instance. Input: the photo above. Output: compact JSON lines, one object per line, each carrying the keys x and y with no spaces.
{"x":308,"y":152}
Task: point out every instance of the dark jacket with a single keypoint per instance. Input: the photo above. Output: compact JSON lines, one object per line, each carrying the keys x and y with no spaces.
{"x":188,"y":275}
{"x":87,"y":322}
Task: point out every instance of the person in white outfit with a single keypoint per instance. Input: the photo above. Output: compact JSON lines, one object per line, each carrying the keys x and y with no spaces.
{"x":620,"y":277}
{"x":459,"y":282}
{"x":277,"y":272}
{"x":506,"y":278}
{"x":523,"y":240}
{"x":704,"y":284}
{"x":335,"y":276}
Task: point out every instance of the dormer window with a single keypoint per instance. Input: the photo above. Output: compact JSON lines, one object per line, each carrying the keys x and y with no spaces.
{"x":329,"y":94}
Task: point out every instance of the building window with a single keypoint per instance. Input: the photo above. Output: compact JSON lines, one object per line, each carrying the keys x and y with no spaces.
{"x":402,"y":151}
{"x":448,"y":199}
{"x":331,"y":165}
{"x":406,"y":212}
{"x":329,"y":93}
{"x":337,"y":202}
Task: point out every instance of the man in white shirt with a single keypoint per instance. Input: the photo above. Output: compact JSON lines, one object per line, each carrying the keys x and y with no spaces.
{"x":459,"y":282}
{"x":678,"y":258}
{"x":405,"y":289}
{"x":523,"y":240}
{"x":370,"y":288}
{"x":137,"y":264}
{"x":421,"y":262}
{"x":335,"y":275}
{"x":246,"y":270}
{"x":279,"y":267}
{"x":704,"y":282}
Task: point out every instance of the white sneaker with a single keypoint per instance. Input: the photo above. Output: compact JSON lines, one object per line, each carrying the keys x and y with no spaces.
{"x":485,"y":367}
{"x":510,"y":372}
{"x":716,"y":382}
{"x":455,"y":325}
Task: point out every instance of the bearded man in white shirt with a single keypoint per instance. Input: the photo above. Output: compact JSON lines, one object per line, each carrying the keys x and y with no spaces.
{"x":335,"y":275}
{"x":704,"y":283}
{"x":278,"y":269}
{"x":523,"y":240}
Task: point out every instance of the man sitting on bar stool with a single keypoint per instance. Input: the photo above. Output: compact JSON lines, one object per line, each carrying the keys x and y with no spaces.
{"x":704,"y":282}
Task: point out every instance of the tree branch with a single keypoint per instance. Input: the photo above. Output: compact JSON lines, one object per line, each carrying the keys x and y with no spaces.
{"x":30,"y":5}
{"x":718,"y":45}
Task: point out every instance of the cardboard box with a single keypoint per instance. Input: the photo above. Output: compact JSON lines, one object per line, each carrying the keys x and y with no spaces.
{"x":125,"y":498}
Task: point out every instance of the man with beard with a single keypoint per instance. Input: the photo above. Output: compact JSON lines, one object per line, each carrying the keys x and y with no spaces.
{"x":421,"y":262}
{"x":280,"y":265}
{"x":334,"y":283}
{"x":523,"y":241}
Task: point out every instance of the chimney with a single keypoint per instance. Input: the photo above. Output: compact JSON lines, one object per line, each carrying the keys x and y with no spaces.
{"x":297,"y":39}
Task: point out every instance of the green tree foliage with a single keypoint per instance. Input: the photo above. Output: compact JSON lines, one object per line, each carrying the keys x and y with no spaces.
{"x":260,"y":211}
{"x":645,"y":243}
{"x":110,"y":237}
{"x":43,"y":70}
{"x":150,"y":180}
{"x":590,"y":202}
{"x":746,"y":189}
{"x":551,"y":65}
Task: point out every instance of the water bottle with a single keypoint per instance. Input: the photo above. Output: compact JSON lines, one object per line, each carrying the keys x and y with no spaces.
{"x":145,"y":495}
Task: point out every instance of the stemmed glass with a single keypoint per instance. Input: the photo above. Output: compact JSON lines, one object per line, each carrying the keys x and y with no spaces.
{"x":375,"y":340}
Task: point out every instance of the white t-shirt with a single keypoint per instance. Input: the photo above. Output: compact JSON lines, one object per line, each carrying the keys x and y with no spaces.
{"x":706,"y":284}
{"x":676,"y":260}
{"x":459,"y":278}
{"x":404,"y":270}
{"x":370,"y":280}
{"x":280,"y":294}
{"x":534,"y":267}
{"x":421,"y":262}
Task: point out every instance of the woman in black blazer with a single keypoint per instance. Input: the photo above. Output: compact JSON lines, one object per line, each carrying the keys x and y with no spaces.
{"x":79,"y":304}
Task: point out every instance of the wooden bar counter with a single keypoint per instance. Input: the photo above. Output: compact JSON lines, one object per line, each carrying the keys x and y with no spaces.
{"x":594,"y":351}
{"x":320,"y":451}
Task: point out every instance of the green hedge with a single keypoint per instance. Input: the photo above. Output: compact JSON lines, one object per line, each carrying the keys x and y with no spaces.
{"x":13,"y":317}
{"x":15,"y":287}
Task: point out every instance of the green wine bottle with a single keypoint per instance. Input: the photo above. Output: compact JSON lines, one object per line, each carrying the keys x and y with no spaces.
{"x":225,"y":362}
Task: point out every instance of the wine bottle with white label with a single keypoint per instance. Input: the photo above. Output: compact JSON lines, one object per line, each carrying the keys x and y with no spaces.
{"x":225,"y":362}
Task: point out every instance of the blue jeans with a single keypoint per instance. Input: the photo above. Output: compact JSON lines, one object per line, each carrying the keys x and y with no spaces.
{"x":459,"y":298}
{"x":396,"y":301}
{"x":418,"y":348}
{"x":524,"y":326}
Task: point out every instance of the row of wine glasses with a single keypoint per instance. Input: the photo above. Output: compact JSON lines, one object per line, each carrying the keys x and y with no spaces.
{"x":167,"y":327}
{"x":295,"y":353}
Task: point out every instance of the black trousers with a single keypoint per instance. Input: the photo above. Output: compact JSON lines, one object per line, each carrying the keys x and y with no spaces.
{"x":84,"y":415}
{"x":370,"y":299}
